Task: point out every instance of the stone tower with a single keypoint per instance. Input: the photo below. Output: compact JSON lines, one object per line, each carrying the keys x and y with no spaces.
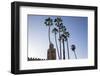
{"x":51,"y":53}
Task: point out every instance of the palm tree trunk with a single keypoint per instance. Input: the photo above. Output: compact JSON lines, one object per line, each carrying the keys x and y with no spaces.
{"x":60,"y":45}
{"x":57,"y":46}
{"x":63,"y":49}
{"x":75,"y":54}
{"x":68,"y":49}
{"x":49,"y":35}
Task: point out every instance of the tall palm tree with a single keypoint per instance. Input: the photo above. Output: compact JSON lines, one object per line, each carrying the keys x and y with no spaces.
{"x":73,"y":47}
{"x":67,"y":34}
{"x":63,"y":39}
{"x":49,"y":22}
{"x":58,"y":23}
{"x":55,"y":31}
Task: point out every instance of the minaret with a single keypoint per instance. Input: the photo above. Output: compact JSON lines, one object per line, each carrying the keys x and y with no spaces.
{"x":51,"y":53}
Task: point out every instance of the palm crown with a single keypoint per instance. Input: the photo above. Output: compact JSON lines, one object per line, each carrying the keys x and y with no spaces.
{"x":73,"y":47}
{"x":67,"y":34}
{"x":58,"y":21}
{"x":55,"y":30}
{"x":48,"y":21}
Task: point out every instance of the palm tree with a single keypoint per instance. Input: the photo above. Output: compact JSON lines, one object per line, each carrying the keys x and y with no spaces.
{"x":58,"y":23}
{"x":63,"y":39}
{"x":73,"y":47}
{"x":67,"y":36}
{"x":48,"y":22}
{"x":55,"y":31}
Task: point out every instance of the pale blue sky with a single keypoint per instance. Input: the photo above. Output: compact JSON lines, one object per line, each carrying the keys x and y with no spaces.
{"x":38,"y":35}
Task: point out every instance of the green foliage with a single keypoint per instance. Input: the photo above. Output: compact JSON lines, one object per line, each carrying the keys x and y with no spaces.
{"x":55,"y":30}
{"x":73,"y":47}
{"x":48,"y":22}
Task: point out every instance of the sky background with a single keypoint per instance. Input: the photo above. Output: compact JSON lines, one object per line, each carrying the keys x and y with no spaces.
{"x":38,"y":42}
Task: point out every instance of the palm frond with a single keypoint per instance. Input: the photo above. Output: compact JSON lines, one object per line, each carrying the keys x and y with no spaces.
{"x":48,"y":21}
{"x":55,"y":30}
{"x":67,"y":34}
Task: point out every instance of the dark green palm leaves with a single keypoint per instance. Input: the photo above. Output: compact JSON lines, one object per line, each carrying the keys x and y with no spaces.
{"x":55,"y":30}
{"x":48,"y":21}
{"x":58,"y":21}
